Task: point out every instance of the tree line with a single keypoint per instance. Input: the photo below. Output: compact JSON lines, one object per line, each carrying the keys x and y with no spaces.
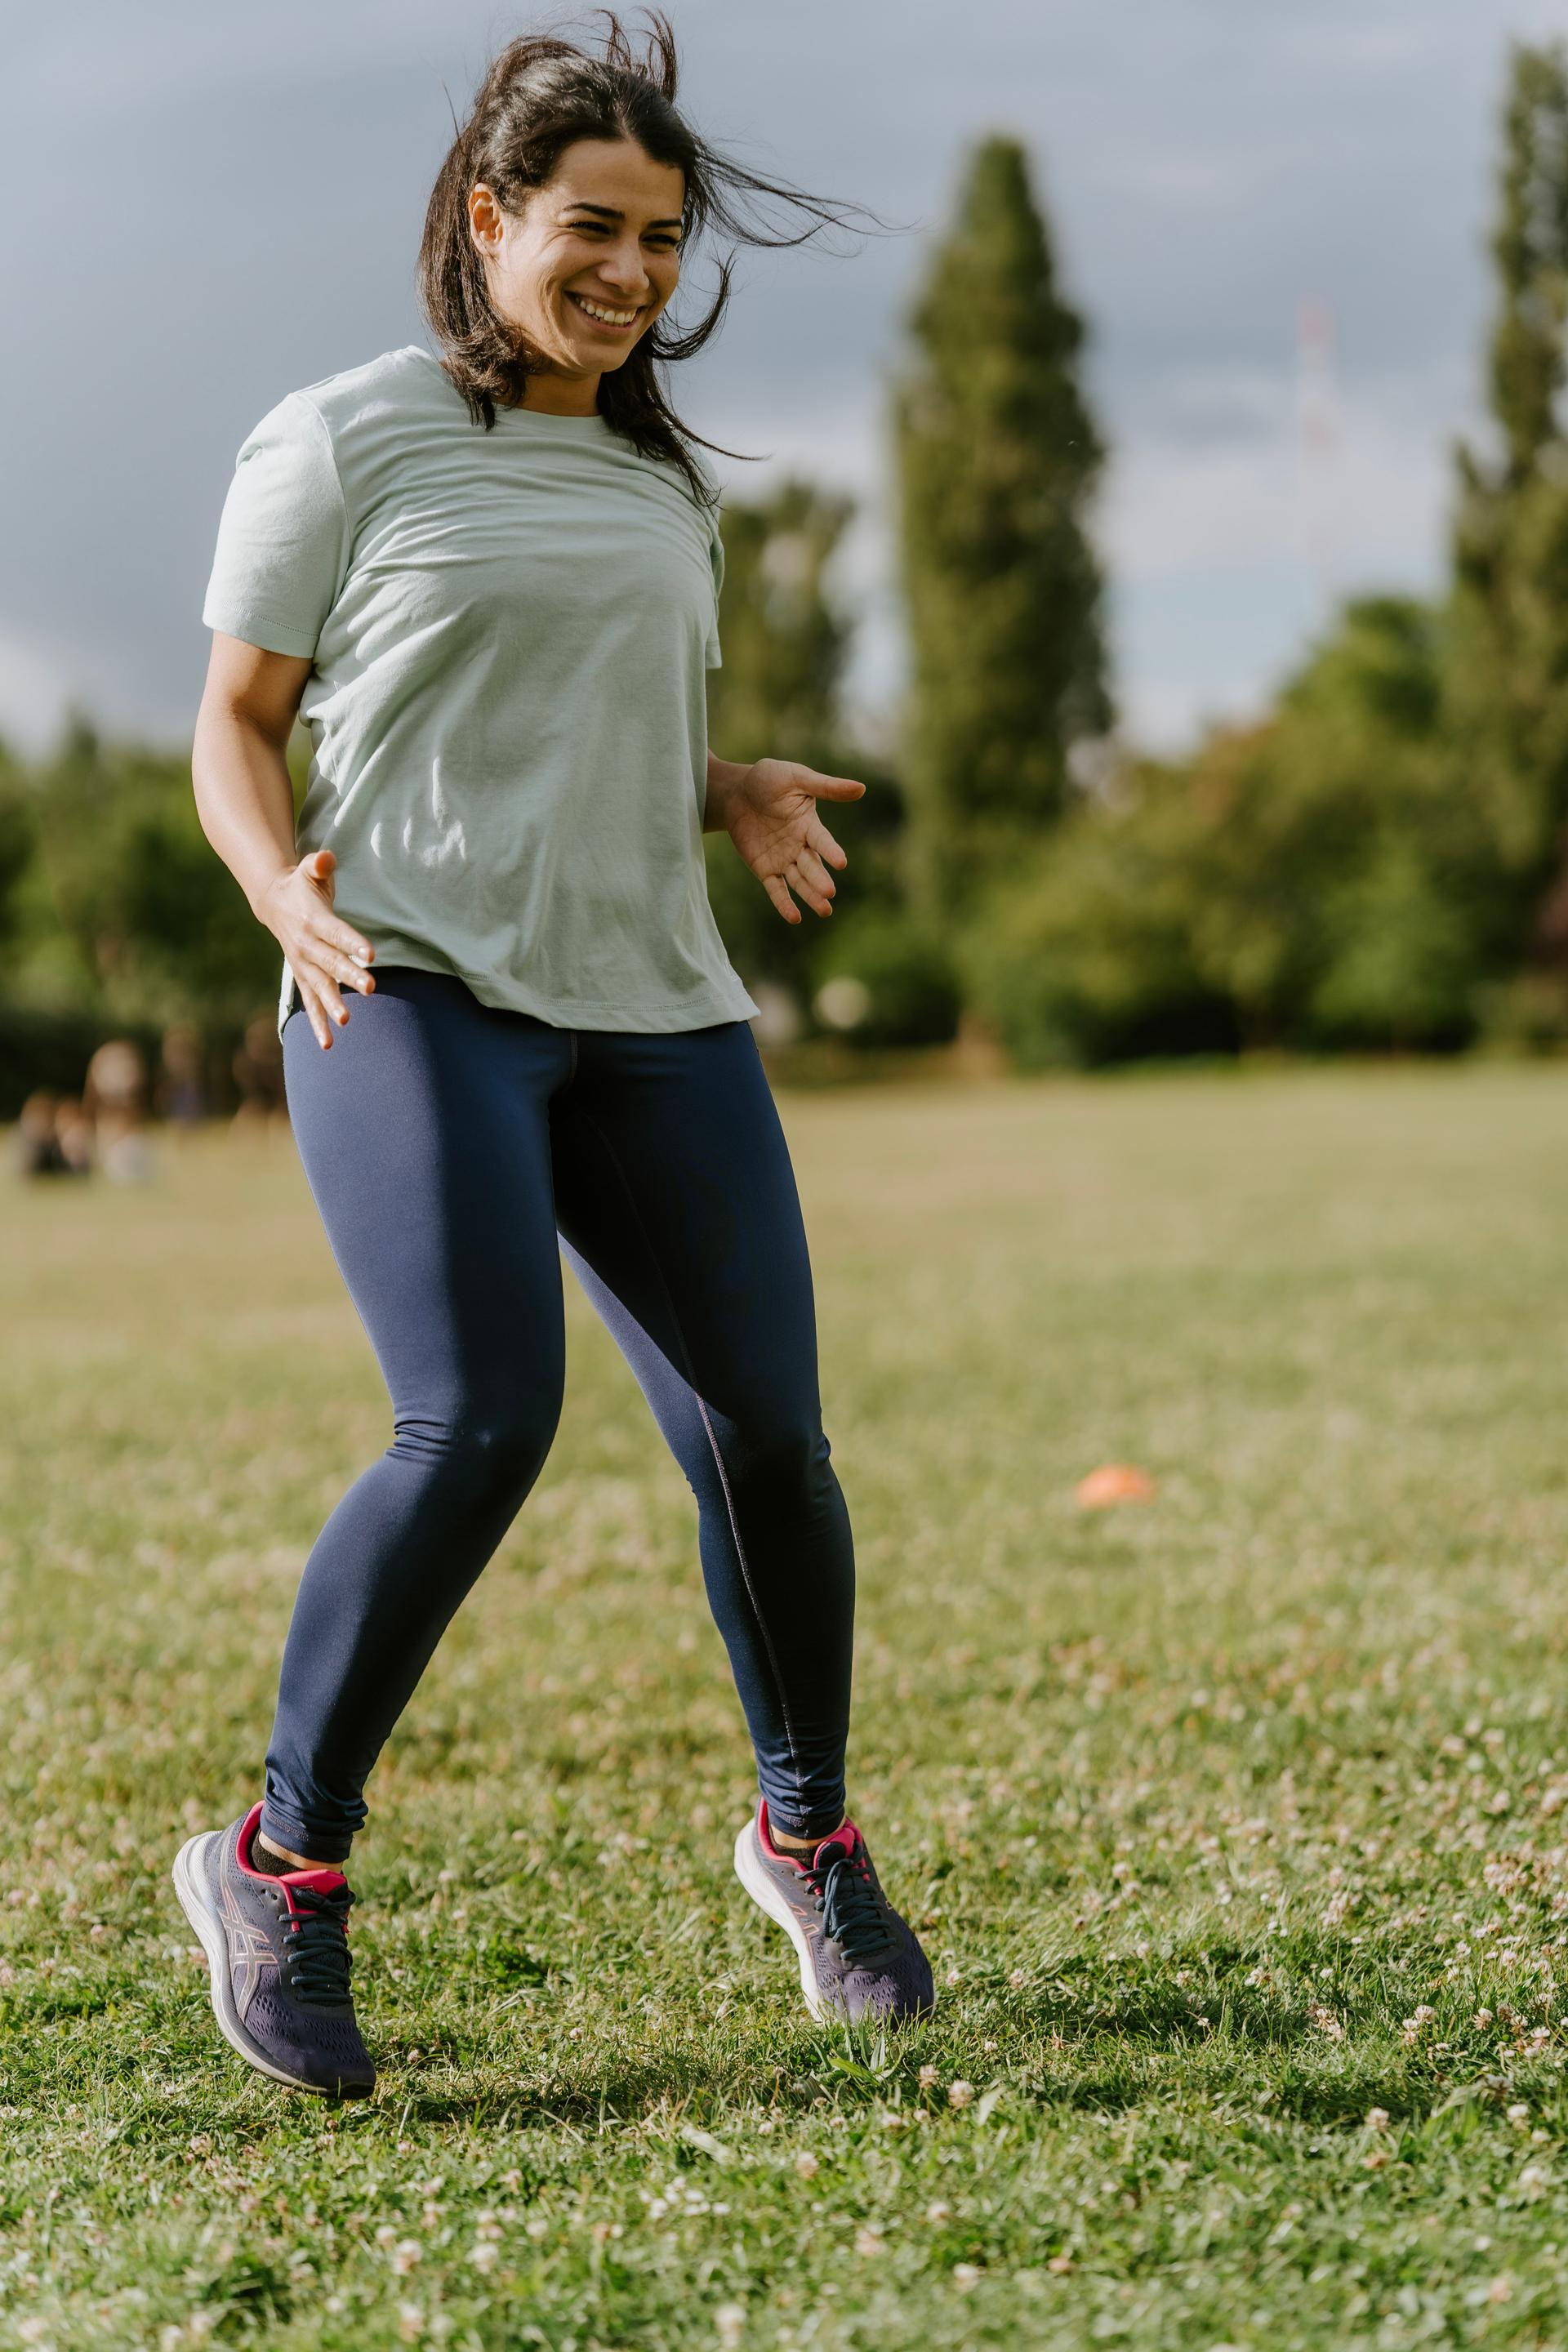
{"x":1381,"y":863}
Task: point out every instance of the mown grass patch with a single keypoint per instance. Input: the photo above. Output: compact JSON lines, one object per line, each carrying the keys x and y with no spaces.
{"x":1233,"y":1821}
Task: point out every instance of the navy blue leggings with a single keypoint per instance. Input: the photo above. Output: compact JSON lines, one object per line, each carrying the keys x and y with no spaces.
{"x":455,"y":1153}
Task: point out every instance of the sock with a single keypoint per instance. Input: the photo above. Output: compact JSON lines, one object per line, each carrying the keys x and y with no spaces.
{"x":268,"y":1861}
{"x":801,"y":1845}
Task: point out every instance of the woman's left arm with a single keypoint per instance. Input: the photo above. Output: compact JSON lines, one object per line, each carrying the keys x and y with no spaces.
{"x":769,"y":811}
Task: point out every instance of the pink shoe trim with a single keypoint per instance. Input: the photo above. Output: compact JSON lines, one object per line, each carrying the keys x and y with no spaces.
{"x":321,"y":1880}
{"x":845,"y":1839}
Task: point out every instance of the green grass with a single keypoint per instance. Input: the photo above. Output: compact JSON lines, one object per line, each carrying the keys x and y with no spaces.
{"x":1231,"y":1821}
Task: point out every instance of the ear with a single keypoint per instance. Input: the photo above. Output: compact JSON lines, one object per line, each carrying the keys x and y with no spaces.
{"x":485,"y":222}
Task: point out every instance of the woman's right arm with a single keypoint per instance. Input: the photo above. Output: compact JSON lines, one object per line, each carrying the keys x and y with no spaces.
{"x":245,"y":804}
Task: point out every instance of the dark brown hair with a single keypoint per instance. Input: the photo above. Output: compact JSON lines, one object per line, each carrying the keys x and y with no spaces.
{"x":541,"y":94}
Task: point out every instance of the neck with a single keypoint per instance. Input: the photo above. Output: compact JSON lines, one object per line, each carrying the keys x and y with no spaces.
{"x":563,"y":395}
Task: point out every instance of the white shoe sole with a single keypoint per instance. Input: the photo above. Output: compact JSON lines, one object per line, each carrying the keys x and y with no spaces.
{"x":766,"y":1898}
{"x":189,"y":1886}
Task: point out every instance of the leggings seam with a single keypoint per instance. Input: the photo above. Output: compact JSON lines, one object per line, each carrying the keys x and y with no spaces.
{"x":718,"y":1460}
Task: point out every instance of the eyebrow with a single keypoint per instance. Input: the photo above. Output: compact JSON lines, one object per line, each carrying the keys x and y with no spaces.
{"x":611,"y":212}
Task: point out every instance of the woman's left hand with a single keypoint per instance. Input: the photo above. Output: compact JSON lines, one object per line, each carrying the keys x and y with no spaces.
{"x":770,"y":813}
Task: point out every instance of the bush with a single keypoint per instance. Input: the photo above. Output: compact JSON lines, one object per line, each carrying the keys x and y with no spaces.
{"x":1400,"y":964}
{"x":1326,"y":879}
{"x":1090,"y":957}
{"x":885,"y":978}
{"x":125,"y":907}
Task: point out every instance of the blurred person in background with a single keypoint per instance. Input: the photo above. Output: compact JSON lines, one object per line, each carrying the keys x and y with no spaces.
{"x":35,"y":1146}
{"x":181,"y":1094}
{"x":487,"y":583}
{"x":259,"y":1074}
{"x":114,"y":1100}
{"x":74,"y":1135}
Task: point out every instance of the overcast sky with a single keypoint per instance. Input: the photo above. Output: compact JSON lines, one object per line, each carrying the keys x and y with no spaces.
{"x":206,"y":205}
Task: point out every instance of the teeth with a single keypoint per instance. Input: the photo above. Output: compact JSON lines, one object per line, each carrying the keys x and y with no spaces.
{"x":612,"y":318}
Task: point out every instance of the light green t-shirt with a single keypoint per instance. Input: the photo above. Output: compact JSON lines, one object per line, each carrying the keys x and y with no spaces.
{"x":511,"y":632}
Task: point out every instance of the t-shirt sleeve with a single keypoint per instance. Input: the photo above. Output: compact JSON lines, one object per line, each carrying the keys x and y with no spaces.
{"x":711,"y":655}
{"x":282,"y":540}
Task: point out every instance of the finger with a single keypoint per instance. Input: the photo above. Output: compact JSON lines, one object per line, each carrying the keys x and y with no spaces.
{"x":306,"y":994}
{"x":781,"y":898}
{"x":334,"y":964}
{"x":822,"y":840}
{"x":831,"y":788}
{"x":310,"y":998}
{"x":808,"y":865}
{"x":805,"y":890}
{"x":331,"y":1001}
{"x":310,"y":988}
{"x":344,"y":936}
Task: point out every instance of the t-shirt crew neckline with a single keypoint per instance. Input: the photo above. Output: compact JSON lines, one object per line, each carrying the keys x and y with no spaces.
{"x":567,"y":428}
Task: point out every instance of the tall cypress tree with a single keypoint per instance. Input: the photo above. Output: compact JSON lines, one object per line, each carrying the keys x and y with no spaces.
{"x":1510,"y":674}
{"x":784,"y":647}
{"x":997,"y":456}
{"x":784,"y":644}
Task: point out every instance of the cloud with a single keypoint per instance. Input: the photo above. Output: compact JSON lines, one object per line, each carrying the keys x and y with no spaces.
{"x":37,"y":683}
{"x":41,"y":678}
{"x":1207,"y":165}
{"x":1372,"y":507}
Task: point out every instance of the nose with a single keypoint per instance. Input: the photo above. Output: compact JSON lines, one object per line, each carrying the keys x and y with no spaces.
{"x":622,"y":267}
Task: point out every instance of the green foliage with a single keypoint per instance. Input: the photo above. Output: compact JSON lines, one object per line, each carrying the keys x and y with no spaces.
{"x":18,"y":845}
{"x":1530,"y":246}
{"x":779,"y":693}
{"x":1399,"y":964}
{"x":1326,"y":879}
{"x":1385,"y":862}
{"x":130,"y":909}
{"x":1088,"y":955}
{"x":901,"y":972}
{"x":785,"y":641}
{"x":996,"y":460}
{"x":1508,"y":684}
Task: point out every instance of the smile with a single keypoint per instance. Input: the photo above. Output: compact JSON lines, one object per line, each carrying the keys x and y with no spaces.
{"x":600,"y":314}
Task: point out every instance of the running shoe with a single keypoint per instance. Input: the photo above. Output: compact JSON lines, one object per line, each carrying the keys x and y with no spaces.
{"x":857,"y":1958}
{"x":277,"y":1956}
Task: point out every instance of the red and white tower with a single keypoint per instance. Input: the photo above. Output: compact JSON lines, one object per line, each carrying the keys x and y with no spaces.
{"x":1319,"y":433}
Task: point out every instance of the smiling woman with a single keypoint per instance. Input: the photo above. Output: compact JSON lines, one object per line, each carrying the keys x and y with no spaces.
{"x":488,"y":583}
{"x":558,"y":225}
{"x":570,"y":273}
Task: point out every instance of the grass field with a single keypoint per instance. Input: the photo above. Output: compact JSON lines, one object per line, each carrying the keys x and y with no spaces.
{"x":1231,"y":1821}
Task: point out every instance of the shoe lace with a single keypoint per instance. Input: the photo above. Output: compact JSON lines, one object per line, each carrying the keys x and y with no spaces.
{"x":317,"y":1965}
{"x":853,"y":1912}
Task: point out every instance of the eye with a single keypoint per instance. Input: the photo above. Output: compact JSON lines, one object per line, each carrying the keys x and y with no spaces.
{"x":662,"y":241}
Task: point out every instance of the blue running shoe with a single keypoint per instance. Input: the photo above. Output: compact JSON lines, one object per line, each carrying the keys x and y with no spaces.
{"x":857,"y":1958}
{"x":277,"y":1956}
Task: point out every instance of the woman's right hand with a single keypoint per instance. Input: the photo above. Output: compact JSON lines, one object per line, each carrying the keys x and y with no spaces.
{"x":325,"y":954}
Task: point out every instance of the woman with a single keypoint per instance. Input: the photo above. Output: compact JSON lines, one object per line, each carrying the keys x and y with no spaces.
{"x":488,"y":583}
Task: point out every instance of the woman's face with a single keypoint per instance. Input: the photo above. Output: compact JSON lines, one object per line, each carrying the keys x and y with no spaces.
{"x":591,"y":260}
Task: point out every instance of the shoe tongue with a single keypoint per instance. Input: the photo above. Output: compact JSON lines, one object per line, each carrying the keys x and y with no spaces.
{"x":319,"y":1881}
